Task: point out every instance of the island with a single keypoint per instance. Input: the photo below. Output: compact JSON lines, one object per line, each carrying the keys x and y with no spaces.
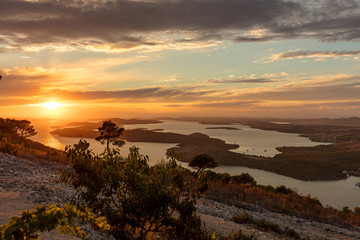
{"x":324,"y":162}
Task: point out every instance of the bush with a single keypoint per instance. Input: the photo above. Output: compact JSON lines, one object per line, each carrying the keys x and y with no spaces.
{"x":234,"y":236}
{"x":48,"y":218}
{"x":243,"y":178}
{"x":242,"y":218}
{"x":283,"y":189}
{"x":136,"y":199}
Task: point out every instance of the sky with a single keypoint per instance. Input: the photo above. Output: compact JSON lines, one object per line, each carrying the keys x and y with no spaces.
{"x":90,"y":59}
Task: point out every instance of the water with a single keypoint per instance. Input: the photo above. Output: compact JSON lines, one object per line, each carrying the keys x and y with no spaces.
{"x":155,"y":151}
{"x":251,"y":141}
{"x":337,"y":194}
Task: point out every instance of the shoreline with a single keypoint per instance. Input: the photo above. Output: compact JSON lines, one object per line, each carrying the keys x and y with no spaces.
{"x":319,"y":163}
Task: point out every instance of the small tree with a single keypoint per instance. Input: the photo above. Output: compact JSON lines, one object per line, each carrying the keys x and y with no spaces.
{"x":24,"y":129}
{"x":243,"y":178}
{"x":14,"y":128}
{"x":201,"y":162}
{"x":110,"y":133}
{"x":136,"y":199}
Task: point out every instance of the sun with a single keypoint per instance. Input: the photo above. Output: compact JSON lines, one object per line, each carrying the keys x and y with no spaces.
{"x":52,"y":105}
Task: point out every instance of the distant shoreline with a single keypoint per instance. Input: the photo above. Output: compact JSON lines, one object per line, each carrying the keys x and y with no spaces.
{"x":326,"y":162}
{"x":224,"y":128}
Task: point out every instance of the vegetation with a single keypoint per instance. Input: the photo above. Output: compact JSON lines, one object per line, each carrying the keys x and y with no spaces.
{"x":136,"y":199}
{"x":280,"y":199}
{"x":110,"y":133}
{"x":48,"y":218}
{"x":327,"y":162}
{"x":14,"y":140}
{"x":234,"y":236}
{"x":16,"y":128}
{"x":263,"y":225}
{"x":202,"y":161}
{"x":132,"y":200}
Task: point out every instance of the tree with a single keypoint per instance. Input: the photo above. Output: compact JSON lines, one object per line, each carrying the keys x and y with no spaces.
{"x":136,"y":199}
{"x":201,"y":162}
{"x":110,"y":133}
{"x":24,"y":129}
{"x":21,"y":128}
{"x":243,"y":178}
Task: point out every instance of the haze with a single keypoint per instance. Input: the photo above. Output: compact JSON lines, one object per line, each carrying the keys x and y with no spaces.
{"x":258,"y":58}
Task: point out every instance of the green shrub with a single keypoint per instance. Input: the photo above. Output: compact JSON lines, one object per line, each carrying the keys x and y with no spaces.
{"x":136,"y":199}
{"x":48,"y":218}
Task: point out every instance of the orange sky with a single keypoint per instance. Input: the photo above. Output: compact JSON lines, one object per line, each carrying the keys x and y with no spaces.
{"x":125,"y":58}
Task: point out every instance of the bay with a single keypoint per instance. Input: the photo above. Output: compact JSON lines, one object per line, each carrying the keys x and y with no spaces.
{"x":338,"y":194}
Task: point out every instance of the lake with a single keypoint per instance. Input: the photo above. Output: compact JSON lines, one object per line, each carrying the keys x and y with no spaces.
{"x":252,"y":141}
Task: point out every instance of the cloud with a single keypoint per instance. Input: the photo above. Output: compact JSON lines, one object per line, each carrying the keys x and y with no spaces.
{"x":128,"y":24}
{"x":169,"y":79}
{"x":309,"y":54}
{"x":20,"y":82}
{"x":240,"y":80}
{"x":26,"y":86}
{"x":148,"y":94}
{"x":336,"y":88}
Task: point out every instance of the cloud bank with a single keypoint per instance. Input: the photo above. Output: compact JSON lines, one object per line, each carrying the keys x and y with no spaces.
{"x":126,"y":24}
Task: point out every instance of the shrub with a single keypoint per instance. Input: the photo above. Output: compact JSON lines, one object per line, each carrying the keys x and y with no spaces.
{"x":268,"y":226}
{"x":225,"y":177}
{"x":234,"y":236}
{"x":48,"y":218}
{"x":242,"y":218}
{"x":243,"y":178}
{"x":283,"y":189}
{"x":136,"y":199}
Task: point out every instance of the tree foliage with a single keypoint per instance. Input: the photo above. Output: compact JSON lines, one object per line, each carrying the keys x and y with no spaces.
{"x":16,"y":128}
{"x":24,"y":129}
{"x":202,"y":161}
{"x":243,"y":178}
{"x":136,"y":199}
{"x":48,"y":218}
{"x":110,"y":133}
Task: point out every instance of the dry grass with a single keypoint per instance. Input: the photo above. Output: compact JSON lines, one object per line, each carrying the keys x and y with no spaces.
{"x":282,"y":201}
{"x":34,"y":151}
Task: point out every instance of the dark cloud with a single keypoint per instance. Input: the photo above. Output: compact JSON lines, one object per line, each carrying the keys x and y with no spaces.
{"x":128,"y":23}
{"x":241,"y":80}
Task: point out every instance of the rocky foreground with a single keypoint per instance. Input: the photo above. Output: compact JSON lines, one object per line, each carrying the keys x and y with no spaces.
{"x":25,"y":184}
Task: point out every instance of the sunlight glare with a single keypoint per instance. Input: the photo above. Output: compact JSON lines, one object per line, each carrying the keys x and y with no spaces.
{"x":52,"y":105}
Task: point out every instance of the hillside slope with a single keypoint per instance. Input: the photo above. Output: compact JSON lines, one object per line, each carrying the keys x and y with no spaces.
{"x":25,"y":184}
